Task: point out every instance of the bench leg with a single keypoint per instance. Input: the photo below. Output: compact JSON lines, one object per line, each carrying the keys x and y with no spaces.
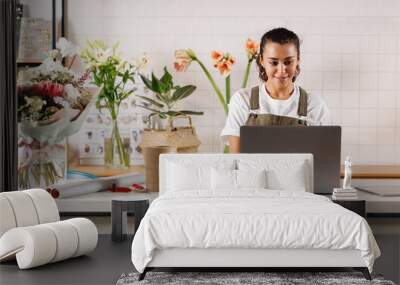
{"x":364,"y":271}
{"x":119,"y":220}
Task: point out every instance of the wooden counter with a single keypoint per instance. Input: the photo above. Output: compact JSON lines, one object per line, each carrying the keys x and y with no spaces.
{"x":359,"y":171}
{"x":374,"y":171}
{"x":103,"y":171}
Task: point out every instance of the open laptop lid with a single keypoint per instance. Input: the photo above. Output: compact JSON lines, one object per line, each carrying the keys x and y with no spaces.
{"x":324,"y":142}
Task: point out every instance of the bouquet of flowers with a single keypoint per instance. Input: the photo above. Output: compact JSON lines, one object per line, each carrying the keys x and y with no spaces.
{"x":53,"y":102}
{"x":221,"y":61}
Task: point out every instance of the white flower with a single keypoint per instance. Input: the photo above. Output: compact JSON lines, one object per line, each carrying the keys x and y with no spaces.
{"x":36,"y":104}
{"x":104,"y":55}
{"x":53,"y":54}
{"x":141,"y":62}
{"x":66,"y":48}
{"x":50,"y":66}
{"x":61,"y":101}
{"x":72,"y":92}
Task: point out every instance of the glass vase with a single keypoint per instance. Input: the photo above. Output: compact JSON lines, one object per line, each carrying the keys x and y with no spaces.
{"x":116,"y":148}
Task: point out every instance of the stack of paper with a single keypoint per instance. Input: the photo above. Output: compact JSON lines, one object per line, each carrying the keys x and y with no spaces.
{"x":344,"y":194}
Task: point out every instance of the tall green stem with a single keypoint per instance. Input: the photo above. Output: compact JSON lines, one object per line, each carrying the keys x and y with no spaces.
{"x":123,"y":157}
{"x":228,"y":89}
{"x":246,"y":74}
{"x":214,"y":85}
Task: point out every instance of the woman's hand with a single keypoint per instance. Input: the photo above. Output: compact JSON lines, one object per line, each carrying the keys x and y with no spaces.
{"x":234,"y":144}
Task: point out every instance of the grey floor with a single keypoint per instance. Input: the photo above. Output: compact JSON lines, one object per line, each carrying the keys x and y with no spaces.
{"x":103,"y":266}
{"x":111,"y":259}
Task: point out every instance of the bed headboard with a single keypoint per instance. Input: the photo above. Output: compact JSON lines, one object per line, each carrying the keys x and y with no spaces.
{"x":244,"y":159}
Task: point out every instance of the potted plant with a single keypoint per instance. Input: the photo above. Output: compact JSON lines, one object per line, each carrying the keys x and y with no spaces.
{"x":170,"y":139}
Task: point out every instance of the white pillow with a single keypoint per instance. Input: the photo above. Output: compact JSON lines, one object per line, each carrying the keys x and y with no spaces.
{"x":223,"y":179}
{"x":228,"y":179}
{"x":251,"y":178}
{"x":186,"y":175}
{"x":291,"y":175}
{"x":292,"y":179}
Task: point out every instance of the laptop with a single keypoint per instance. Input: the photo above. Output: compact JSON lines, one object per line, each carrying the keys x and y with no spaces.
{"x":324,"y":142}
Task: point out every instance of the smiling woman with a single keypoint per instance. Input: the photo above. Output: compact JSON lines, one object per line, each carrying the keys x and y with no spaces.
{"x":277,"y":100}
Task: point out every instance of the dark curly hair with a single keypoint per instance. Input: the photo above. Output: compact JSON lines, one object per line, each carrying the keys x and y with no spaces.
{"x":280,"y":36}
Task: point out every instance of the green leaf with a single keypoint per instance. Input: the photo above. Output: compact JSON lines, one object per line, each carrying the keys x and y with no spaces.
{"x":166,"y":79}
{"x":151,"y":115}
{"x":183,"y":92}
{"x":126,"y":95}
{"x":156,"y":84}
{"x":98,"y":105}
{"x":172,"y":113}
{"x":147,"y":82}
{"x":162,"y":98}
{"x":162,"y":115}
{"x":188,"y":112}
{"x":97,"y":79}
{"x":154,"y":102}
{"x":125,"y":76}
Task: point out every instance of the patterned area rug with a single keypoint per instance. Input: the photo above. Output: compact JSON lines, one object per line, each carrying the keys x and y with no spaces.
{"x":243,"y":278}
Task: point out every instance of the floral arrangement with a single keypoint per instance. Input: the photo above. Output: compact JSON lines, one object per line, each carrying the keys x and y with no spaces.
{"x":116,"y":78}
{"x":223,"y":62}
{"x":167,"y":95}
{"x":52,"y":104}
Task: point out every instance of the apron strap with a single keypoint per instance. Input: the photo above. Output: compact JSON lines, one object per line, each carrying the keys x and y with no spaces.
{"x":302,"y":109}
{"x":303,"y":100}
{"x":254,"y":102}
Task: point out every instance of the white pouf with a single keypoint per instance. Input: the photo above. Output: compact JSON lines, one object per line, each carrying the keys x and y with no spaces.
{"x":31,"y":230}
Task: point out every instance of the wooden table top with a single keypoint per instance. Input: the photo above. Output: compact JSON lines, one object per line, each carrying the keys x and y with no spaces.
{"x":103,"y":171}
{"x":374,"y":171}
{"x":359,"y":171}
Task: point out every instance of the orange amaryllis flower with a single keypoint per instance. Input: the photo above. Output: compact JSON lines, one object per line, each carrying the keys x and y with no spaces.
{"x":224,"y":65}
{"x":216,"y":56}
{"x":251,"y":49}
{"x":182,"y":60}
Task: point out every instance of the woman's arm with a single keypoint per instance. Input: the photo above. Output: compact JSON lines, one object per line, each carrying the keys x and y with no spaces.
{"x":234,"y":144}
{"x":237,"y":116}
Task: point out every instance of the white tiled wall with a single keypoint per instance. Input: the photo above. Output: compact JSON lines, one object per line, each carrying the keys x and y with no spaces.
{"x":350,"y":55}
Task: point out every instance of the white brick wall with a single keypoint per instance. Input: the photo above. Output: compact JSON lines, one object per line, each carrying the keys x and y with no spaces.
{"x":350,"y":55}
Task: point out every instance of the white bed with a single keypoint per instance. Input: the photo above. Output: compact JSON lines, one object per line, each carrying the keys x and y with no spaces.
{"x":219,"y":210}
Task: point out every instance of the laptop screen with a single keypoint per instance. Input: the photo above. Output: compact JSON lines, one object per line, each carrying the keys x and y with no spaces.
{"x":324,"y":142}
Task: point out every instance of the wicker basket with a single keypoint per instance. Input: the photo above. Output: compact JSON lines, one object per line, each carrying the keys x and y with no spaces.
{"x":170,"y":140}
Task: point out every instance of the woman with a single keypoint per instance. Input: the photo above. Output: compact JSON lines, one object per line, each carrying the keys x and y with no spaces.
{"x":277,"y":100}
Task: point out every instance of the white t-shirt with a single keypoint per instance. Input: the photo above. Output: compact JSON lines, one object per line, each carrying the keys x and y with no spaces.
{"x":239,"y":109}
